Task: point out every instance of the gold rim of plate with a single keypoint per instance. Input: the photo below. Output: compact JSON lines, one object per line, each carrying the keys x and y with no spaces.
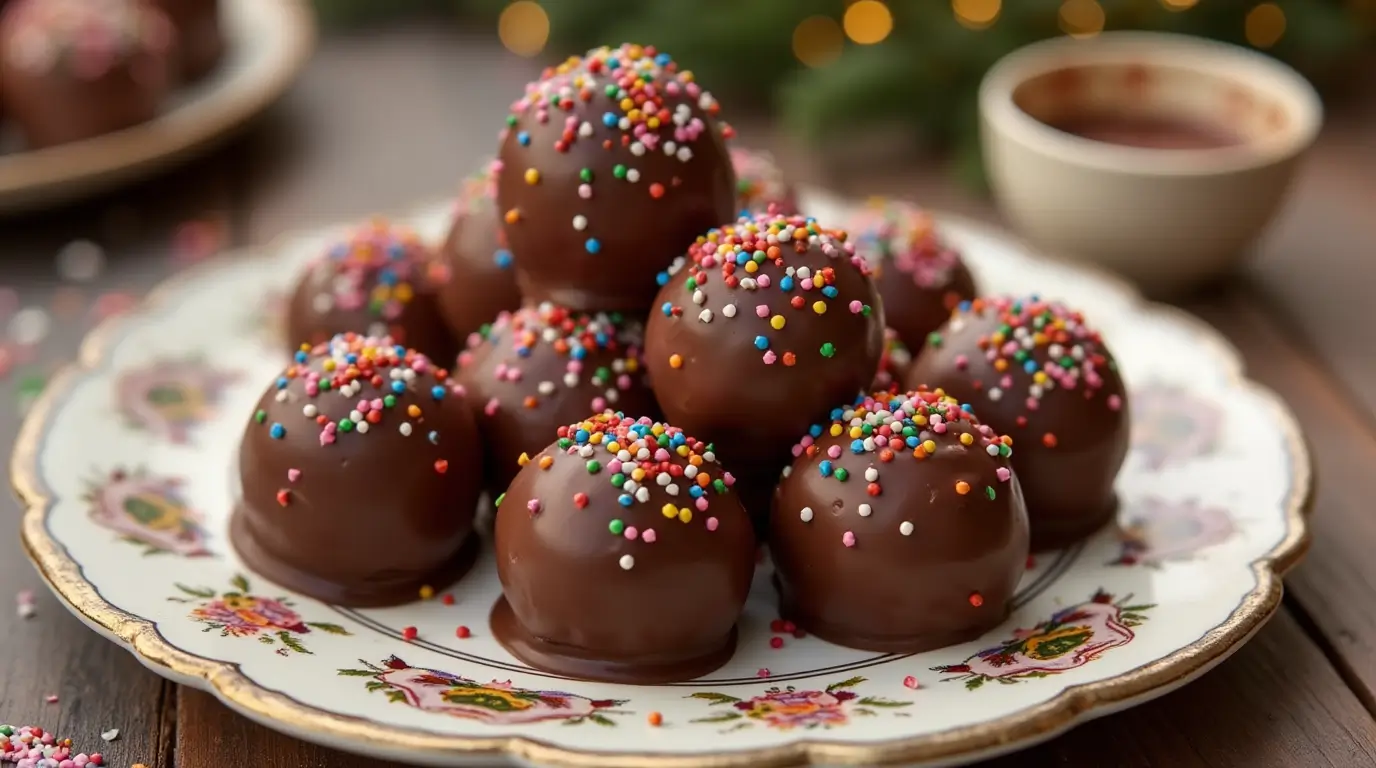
{"x":1071,"y":706}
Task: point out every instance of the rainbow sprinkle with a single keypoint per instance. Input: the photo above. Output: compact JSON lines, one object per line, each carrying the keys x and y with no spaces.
{"x":899,"y":235}
{"x":754,"y":255}
{"x":379,"y":266}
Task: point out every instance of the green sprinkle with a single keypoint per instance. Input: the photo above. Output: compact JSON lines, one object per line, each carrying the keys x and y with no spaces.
{"x":618,"y":479}
{"x":346,"y":425}
{"x":594,"y":467}
{"x":498,"y":502}
{"x":842,"y":474}
{"x":989,"y":491}
{"x":1004,"y":450}
{"x":585,"y":175}
{"x":867,"y":310}
{"x":616,"y":527}
{"x":934,"y":339}
{"x":719,"y":486}
{"x":260,"y":416}
{"x":511,"y":120}
{"x":828,"y":349}
{"x":619,"y":171}
{"x":564,"y":443}
{"x":390,"y":401}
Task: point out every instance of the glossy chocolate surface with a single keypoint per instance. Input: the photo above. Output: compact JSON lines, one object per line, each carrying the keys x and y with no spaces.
{"x":1035,"y":371}
{"x":380,"y":279}
{"x":360,"y":476}
{"x":879,"y":550}
{"x":595,"y":200}
{"x":920,"y":277}
{"x":200,"y":41}
{"x":482,"y":279}
{"x":57,"y":97}
{"x":544,"y":367}
{"x":751,"y":357}
{"x":639,"y":583}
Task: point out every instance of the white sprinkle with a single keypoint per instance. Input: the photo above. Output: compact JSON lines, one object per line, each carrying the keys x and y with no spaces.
{"x":670,"y":148}
{"x":906,"y":528}
{"x":585,"y":130}
{"x":699,"y":297}
{"x":690,"y":471}
{"x":627,"y":562}
{"x":80,"y":261}
{"x":865,"y":510}
{"x":992,"y":450}
{"x":570,"y":379}
{"x":637,"y":149}
{"x":310,"y":411}
{"x":871,"y":475}
{"x":580,"y":222}
{"x":405,"y":429}
{"x":355,"y":416}
{"x":545,"y":388}
{"x":322,"y":303}
{"x":409,"y":374}
{"x":633,"y":175}
{"x":709,"y":456}
{"x":281,"y":396}
{"x":29,"y":326}
{"x":995,"y":394}
{"x":671,"y":489}
{"x":729,"y":310}
{"x":585,"y":451}
{"x":705,"y":316}
{"x":663,"y":478}
{"x":362,"y":427}
{"x":806,"y":514}
{"x":787,"y":471}
{"x":642,"y":494}
{"x":684,"y":154}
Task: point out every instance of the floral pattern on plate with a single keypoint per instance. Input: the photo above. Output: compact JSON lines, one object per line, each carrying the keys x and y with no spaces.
{"x":239,"y":613}
{"x":788,"y":708}
{"x":149,"y":511}
{"x":1154,"y":531}
{"x":1172,"y":426}
{"x":169,"y":397}
{"x":1071,"y":638}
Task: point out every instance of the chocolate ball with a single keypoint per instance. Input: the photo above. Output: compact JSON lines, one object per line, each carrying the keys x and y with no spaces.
{"x":379,"y":279}
{"x":760,"y":330}
{"x":893,"y":364}
{"x":482,"y":283}
{"x":624,"y":555}
{"x":200,"y":42}
{"x":901,"y":529}
{"x":760,"y":183}
{"x":1036,"y":371}
{"x":921,"y":278}
{"x":610,"y":165}
{"x":76,"y":69}
{"x":544,"y":367}
{"x":361,"y":470}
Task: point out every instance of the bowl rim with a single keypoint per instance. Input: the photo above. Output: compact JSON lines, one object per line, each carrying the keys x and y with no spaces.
{"x":1224,"y":60}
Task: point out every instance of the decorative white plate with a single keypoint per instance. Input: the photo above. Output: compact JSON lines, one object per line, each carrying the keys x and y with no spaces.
{"x":126,"y":468}
{"x":268,"y":43}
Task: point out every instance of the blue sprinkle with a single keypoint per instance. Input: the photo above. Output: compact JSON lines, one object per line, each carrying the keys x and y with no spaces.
{"x":761,"y":342}
{"x":741,"y":258}
{"x":624,"y":499}
{"x":437,"y":392}
{"x":836,"y":413}
{"x":593,"y":245}
{"x":503,"y":258}
{"x":578,"y":353}
{"x":282,"y":383}
{"x":786,"y":283}
{"x":830,"y":291}
{"x":1030,"y":366}
{"x":912,"y":441}
{"x":825,"y":467}
{"x":523,"y":351}
{"x":609,"y":120}
{"x":965,"y":306}
{"x":815,"y":430}
{"x":967,"y":408}
{"x":388,"y":277}
{"x":694,"y":491}
{"x":857,"y":446}
{"x":601,"y":339}
{"x":524,"y":138}
{"x":351,"y":358}
{"x":302,"y":357}
{"x":662,"y":279}
{"x":396,"y":251}
{"x":664,"y":59}
{"x":434,"y":437}
{"x":667,"y":308}
{"x":278,"y":432}
{"x":581,"y":436}
{"x":398,"y":387}
{"x":400,"y":349}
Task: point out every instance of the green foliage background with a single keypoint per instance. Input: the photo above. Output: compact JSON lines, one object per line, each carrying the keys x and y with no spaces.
{"x":924,"y":75}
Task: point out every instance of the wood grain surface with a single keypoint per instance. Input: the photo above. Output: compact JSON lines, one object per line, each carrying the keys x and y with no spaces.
{"x":397,"y":116}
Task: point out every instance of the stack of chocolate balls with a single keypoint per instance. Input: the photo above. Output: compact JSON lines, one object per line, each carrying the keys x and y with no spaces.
{"x":76,"y":69}
{"x":657,"y":366}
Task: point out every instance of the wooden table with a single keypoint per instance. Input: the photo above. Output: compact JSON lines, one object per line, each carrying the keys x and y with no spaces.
{"x":1302,"y":693}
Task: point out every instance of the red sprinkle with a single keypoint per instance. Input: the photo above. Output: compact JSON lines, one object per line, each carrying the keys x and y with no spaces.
{"x":976,"y":599}
{"x":910,"y":682}
{"x":284,"y":497}
{"x":448,"y":599}
{"x":1031,"y":562}
{"x":777,"y":625}
{"x":408,"y":634}
{"x":441,"y":466}
{"x":790,"y":626}
{"x":580,"y":500}
{"x":1049,"y":440}
{"x":462,"y":633}
{"x":776,"y":642}
{"x":762,"y":672}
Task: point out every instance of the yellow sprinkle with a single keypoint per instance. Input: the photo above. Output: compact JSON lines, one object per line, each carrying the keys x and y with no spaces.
{"x":668,"y":511}
{"x":657,"y":429}
{"x":513,"y":216}
{"x":752,"y":267}
{"x":855,"y":431}
{"x":919,"y":420}
{"x":777,"y":322}
{"x":523,"y":459}
{"x":427,"y":592}
{"x":634,"y":115}
{"x":595,"y":438}
{"x":532,"y":176}
{"x":676,"y":361}
{"x":682,"y":450}
{"x":546,"y":462}
{"x":627,"y":104}
{"x":685,"y":515}
{"x":1040,"y":377}
{"x":652,"y":123}
{"x":966,"y":438}
{"x":820,"y":307}
{"x":836,"y":430}
{"x":637,"y":474}
{"x":413,"y":411}
{"x":614,"y":446}
{"x":404,"y":293}
{"x":632,"y":364}
{"x":929,"y":446}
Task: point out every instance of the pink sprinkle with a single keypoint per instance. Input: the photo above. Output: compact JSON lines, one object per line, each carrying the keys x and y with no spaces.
{"x":962,"y":362}
{"x":856,"y":307}
{"x":1115,"y":402}
{"x":763,"y":281}
{"x":910,"y":682}
{"x":648,"y":536}
{"x":806,"y":284}
{"x":762,"y":310}
{"x":585,"y":191}
{"x":728,"y":478}
{"x":701,"y":504}
{"x":1003,"y":474}
{"x":848,"y":539}
{"x":293,"y":475}
{"x":769,"y":357}
{"x":762,"y":672}
{"x":631,"y":532}
{"x":491,"y":408}
{"x":614,"y":466}
{"x":661,"y":455}
{"x":534,"y":506}
{"x":939,"y":427}
{"x":711,"y":523}
{"x":51,"y":699}
{"x":834,"y":452}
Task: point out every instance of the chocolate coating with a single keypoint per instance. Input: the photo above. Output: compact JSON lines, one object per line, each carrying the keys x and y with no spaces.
{"x":380,"y":279}
{"x":361,"y":470}
{"x":721,"y":367}
{"x":482,"y":282}
{"x":545,"y":367}
{"x":760,"y":183}
{"x":594,"y":200}
{"x":893,"y":364}
{"x":1035,"y":371}
{"x":878,"y":549}
{"x":920,"y":277}
{"x":76,"y":69}
{"x":630,"y":581}
{"x":200,"y":41}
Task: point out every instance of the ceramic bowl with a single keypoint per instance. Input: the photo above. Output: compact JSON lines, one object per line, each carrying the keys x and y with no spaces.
{"x":1168,"y":219}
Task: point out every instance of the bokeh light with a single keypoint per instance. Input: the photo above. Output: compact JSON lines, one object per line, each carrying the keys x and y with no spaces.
{"x":817,"y":41}
{"x":976,"y":14}
{"x":1179,"y":5}
{"x":867,"y":22}
{"x":1081,"y":18}
{"x":524,"y":28}
{"x":1265,"y":25}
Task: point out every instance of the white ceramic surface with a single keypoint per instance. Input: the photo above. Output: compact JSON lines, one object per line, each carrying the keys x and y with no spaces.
{"x":267,"y":44}
{"x":1166,"y":218}
{"x":124,"y":467}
